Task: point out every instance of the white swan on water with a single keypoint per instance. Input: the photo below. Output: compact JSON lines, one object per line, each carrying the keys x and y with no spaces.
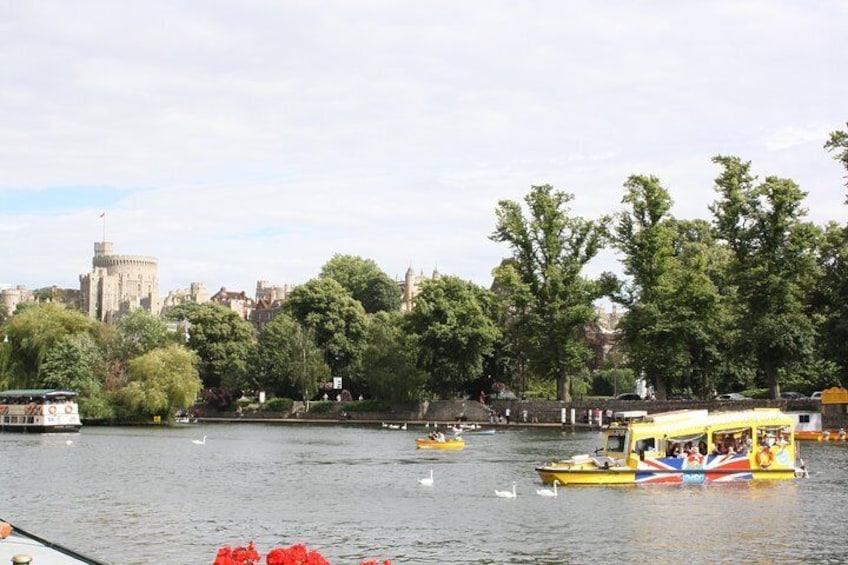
{"x":199,"y":441}
{"x":427,"y":481}
{"x":506,"y":493}
{"x":547,"y":491}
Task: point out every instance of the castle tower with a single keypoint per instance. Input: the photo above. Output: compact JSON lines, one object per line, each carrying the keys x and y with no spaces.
{"x":119,"y":284}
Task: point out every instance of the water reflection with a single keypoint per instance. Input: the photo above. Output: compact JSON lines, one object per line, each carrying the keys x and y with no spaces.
{"x":140,"y":496}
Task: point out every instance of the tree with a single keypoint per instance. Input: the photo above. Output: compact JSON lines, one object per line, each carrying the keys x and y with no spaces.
{"x":335,"y":318}
{"x":141,"y":332}
{"x":549,"y":301}
{"x":389,"y":363}
{"x":772,"y":266}
{"x":673,"y":324}
{"x":838,"y":143}
{"x":76,"y":363}
{"x":288,"y":362}
{"x":224,"y":343}
{"x":831,"y":296}
{"x":373,"y":288}
{"x":453,"y":332}
{"x":33,"y":331}
{"x":160,"y":381}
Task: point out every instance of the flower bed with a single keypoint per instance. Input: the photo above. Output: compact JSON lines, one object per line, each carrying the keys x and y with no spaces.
{"x":297,"y":554}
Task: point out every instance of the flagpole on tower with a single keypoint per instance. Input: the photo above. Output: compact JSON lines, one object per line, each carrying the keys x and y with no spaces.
{"x":103,"y":216}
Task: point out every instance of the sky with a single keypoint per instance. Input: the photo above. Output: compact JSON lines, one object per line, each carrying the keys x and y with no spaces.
{"x":238,"y":141}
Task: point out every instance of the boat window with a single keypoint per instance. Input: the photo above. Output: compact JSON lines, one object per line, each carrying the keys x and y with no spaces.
{"x":773,"y":435}
{"x":643,"y":445}
{"x":730,"y":441}
{"x":680,"y":446}
{"x":615,"y":444}
{"x":804,"y":419}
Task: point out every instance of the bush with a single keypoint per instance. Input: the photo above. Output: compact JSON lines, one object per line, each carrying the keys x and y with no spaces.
{"x":278,"y":404}
{"x":320,"y":407}
{"x":368,"y":406}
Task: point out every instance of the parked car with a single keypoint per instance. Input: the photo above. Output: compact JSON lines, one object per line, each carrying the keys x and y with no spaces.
{"x":816,"y":395}
{"x":790,"y":395}
{"x":628,"y":396}
{"x":732,"y":396}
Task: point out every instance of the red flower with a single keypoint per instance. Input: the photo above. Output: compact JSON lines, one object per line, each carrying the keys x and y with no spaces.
{"x":295,"y":555}
{"x":237,"y":556}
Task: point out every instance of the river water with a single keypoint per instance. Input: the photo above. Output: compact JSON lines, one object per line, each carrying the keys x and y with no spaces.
{"x":151,"y":496}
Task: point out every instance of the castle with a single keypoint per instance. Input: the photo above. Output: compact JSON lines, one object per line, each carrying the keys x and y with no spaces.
{"x":119,"y":284}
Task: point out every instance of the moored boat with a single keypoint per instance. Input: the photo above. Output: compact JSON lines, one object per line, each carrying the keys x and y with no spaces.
{"x":39,"y":411}
{"x":686,"y":446}
{"x":20,"y":544}
{"x":452,"y":444}
{"x":827,"y":425}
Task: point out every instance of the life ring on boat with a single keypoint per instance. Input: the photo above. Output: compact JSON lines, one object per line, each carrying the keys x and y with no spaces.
{"x":69,"y":409}
{"x":765,"y":458}
{"x":52,"y":410}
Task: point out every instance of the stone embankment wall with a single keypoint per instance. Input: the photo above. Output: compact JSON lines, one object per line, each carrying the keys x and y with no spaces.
{"x":529,"y":412}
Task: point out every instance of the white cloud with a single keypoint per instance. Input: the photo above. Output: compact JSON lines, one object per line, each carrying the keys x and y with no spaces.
{"x":253,"y":140}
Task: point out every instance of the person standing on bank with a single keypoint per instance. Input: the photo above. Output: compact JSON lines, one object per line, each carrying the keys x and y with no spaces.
{"x":506,"y":414}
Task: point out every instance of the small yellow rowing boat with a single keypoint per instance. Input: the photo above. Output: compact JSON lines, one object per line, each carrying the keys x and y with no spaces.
{"x":452,"y":444}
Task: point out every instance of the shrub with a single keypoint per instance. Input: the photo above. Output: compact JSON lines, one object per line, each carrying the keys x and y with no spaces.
{"x":371,"y":405}
{"x":278,"y":404}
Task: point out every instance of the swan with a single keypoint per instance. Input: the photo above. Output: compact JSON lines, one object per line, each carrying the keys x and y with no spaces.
{"x":547,"y":491}
{"x":394,"y":426}
{"x":506,"y":493}
{"x":427,"y":481}
{"x":403,"y":427}
{"x":199,"y":441}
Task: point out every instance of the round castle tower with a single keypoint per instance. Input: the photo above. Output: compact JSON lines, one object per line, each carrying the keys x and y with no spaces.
{"x":119,"y":284}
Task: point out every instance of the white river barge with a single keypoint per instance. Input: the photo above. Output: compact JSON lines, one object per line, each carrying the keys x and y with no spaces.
{"x":39,"y":411}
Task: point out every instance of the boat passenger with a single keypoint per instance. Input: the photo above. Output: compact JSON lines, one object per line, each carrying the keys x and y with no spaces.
{"x":674,"y":450}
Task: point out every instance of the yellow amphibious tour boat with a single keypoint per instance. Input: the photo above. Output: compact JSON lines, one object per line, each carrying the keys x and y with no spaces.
{"x":686,"y":446}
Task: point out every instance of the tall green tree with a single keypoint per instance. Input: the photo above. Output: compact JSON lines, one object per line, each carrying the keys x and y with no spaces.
{"x":453,"y":331}
{"x":337,"y":321}
{"x":550,"y":301}
{"x":224,"y":343}
{"x":672,"y":329}
{"x":160,"y":382}
{"x":389,"y":364}
{"x":773,"y":265}
{"x":33,"y":332}
{"x":288,"y":361}
{"x":831,"y":297}
{"x":373,"y":288}
{"x":76,"y":362}
{"x":837,"y":144}
{"x":141,"y":332}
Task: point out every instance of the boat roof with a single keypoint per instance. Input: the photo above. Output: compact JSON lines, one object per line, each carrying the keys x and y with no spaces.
{"x":38,"y":392}
{"x":689,"y":418}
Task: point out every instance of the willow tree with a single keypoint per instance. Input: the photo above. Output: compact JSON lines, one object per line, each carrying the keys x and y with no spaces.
{"x":772,"y":267}
{"x":548,"y":299}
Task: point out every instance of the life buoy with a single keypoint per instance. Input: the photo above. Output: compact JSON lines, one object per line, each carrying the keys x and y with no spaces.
{"x":69,"y":409}
{"x":765,"y":458}
{"x":52,"y":410}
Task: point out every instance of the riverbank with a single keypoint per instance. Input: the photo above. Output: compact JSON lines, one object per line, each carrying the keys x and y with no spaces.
{"x":584,"y":414}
